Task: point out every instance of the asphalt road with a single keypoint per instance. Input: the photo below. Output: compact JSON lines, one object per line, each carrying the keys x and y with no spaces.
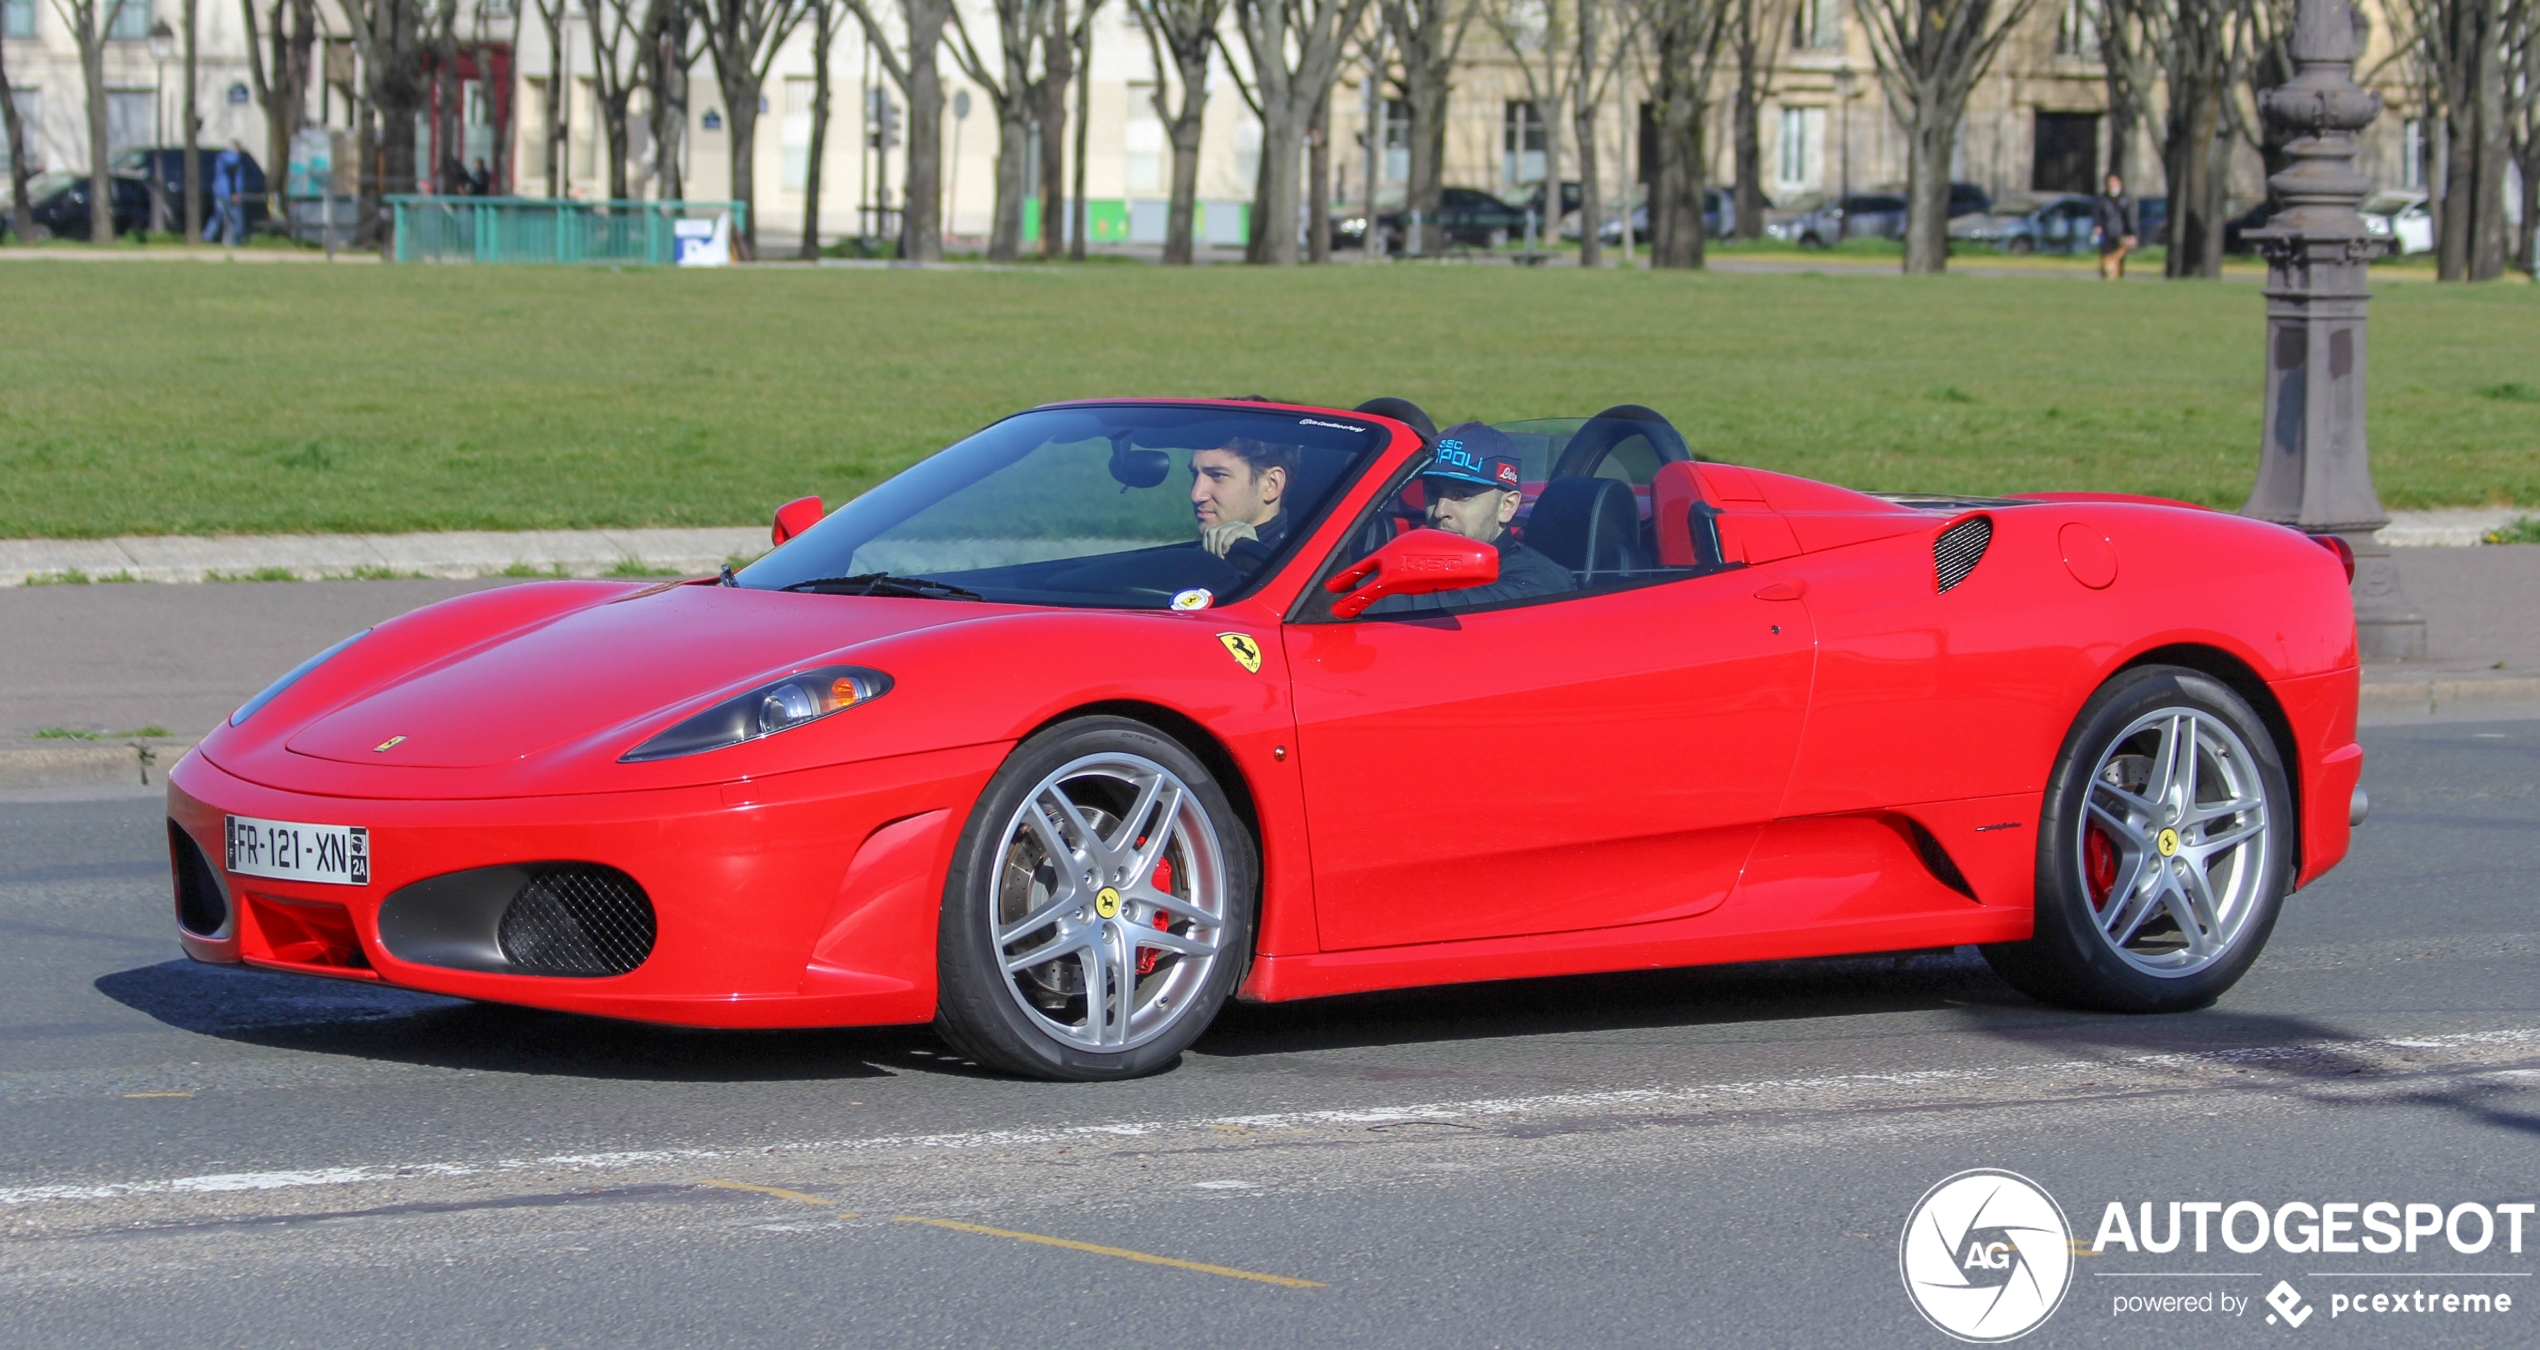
{"x":206,"y":1157}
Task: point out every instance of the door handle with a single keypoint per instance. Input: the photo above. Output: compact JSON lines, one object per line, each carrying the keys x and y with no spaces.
{"x":1788,"y":588}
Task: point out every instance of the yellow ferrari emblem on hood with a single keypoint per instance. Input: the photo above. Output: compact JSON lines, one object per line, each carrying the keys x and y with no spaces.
{"x":387,"y":745}
{"x":1247,"y":653}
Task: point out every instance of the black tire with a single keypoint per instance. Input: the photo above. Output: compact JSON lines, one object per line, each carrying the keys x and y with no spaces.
{"x":982,"y":1010}
{"x":2070,"y":959}
{"x":1811,"y":241}
{"x":2019,"y":243}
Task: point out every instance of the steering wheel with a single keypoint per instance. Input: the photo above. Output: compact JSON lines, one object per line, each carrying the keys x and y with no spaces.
{"x":1594,"y":443}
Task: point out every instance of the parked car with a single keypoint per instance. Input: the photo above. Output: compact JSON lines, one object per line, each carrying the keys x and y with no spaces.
{"x":60,"y":206}
{"x":2405,"y":219}
{"x":2056,"y":225}
{"x":1469,"y":216}
{"x":168,"y":163}
{"x":1719,"y":218}
{"x":2236,"y":230}
{"x":1040,"y":791}
{"x":1863,"y":215}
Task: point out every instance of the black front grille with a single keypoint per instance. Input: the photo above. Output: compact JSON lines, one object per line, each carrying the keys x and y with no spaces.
{"x":577,"y":919}
{"x":201,"y":908}
{"x":1959,"y":548}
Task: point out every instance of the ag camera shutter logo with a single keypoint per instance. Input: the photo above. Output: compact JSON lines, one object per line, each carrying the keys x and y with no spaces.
{"x":1986,"y":1256}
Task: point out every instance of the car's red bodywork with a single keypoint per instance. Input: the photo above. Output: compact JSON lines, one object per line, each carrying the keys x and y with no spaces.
{"x":1818,"y":753}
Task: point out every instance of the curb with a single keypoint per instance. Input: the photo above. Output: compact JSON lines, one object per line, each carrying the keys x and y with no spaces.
{"x":312,"y":557}
{"x":141,"y":763}
{"x":2428,"y":695}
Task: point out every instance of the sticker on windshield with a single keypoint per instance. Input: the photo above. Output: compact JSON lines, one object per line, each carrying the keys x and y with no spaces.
{"x":1312,"y":422}
{"x":1197,"y":597}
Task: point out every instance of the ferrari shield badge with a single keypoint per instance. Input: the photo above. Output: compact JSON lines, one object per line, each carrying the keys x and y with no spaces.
{"x":1247,"y":653}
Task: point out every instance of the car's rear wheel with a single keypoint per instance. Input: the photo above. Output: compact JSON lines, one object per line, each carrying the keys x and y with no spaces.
{"x":2163,"y":852}
{"x":2019,"y":243}
{"x":1099,"y":909}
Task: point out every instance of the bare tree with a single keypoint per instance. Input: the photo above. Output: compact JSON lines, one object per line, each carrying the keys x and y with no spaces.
{"x":281,"y":80}
{"x":2459,"y":48}
{"x":1686,"y":36}
{"x":1011,"y":91}
{"x":1599,"y":60}
{"x":551,"y":17}
{"x":743,"y":37}
{"x":1536,"y":35}
{"x":1083,"y":41}
{"x":21,"y":211}
{"x":617,"y":71}
{"x":2522,"y":123}
{"x":825,"y":15}
{"x":669,"y":28}
{"x":89,"y":25}
{"x":2203,"y":56}
{"x":1428,"y":37}
{"x":921,"y":82}
{"x":1930,"y":55}
{"x":2129,"y":33}
{"x":1049,"y":113}
{"x":1756,"y":29}
{"x":193,"y":127}
{"x":1295,"y":47}
{"x":1180,"y":36}
{"x":393,"y":37}
{"x":1318,"y":180}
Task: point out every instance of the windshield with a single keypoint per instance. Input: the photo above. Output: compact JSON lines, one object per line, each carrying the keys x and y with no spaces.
{"x":1117,"y":506}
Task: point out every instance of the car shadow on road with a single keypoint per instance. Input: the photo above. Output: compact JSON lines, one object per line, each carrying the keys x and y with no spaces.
{"x":368,"y":1021}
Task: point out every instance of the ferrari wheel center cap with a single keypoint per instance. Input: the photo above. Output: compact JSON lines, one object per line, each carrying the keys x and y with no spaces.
{"x":2167,"y":843}
{"x":1107,"y":903}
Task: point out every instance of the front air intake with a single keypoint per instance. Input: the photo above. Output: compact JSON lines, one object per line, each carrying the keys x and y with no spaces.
{"x":201,"y":907}
{"x":1958,"y":549}
{"x":577,"y":920}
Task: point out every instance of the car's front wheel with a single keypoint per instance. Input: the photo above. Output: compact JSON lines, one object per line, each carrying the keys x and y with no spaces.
{"x":1099,"y":909}
{"x":2163,"y":853}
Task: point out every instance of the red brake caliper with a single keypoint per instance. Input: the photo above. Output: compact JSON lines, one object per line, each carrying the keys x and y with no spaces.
{"x":2098,"y":865}
{"x":1163,"y":922}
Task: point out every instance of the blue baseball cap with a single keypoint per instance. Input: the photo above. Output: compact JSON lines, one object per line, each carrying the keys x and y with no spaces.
{"x":1475,"y":454}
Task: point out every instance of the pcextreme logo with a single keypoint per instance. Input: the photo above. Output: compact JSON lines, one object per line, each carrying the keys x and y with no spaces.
{"x":1986,"y":1256}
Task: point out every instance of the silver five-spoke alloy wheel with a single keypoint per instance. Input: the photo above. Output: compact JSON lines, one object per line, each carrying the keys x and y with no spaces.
{"x":2173,"y":853}
{"x":1110,"y":902}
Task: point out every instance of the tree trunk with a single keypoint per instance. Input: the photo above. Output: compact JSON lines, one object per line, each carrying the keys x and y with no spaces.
{"x":824,"y":33}
{"x":2488,"y":147}
{"x":922,"y":196}
{"x":1280,"y":192}
{"x":1077,"y":211}
{"x":1583,"y":128}
{"x":740,"y":123}
{"x":92,"y":67}
{"x":552,"y":18}
{"x":1927,"y":145}
{"x":193,"y":128}
{"x":1058,"y":75}
{"x":1014,"y":133}
{"x":2195,"y":248}
{"x":1181,"y":213}
{"x":1318,"y":207}
{"x":21,"y":211}
{"x":1424,"y":93}
{"x":1675,"y":201}
{"x":1746,"y":130}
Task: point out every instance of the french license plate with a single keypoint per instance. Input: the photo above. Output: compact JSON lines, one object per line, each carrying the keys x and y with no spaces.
{"x":336,"y":855}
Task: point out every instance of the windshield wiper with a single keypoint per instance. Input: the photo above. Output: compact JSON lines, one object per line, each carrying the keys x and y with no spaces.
{"x":883,"y":583}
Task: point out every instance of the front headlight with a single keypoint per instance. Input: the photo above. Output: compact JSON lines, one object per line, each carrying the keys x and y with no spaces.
{"x":780,"y":705}
{"x":248,"y":708}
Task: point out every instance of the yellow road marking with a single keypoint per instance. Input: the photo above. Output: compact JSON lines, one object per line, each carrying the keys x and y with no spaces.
{"x":158,"y":1094}
{"x":778,"y":1191}
{"x":1123,"y":1253}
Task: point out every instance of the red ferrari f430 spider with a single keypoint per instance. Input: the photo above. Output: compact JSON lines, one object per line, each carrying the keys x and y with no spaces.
{"x":1117,"y":710}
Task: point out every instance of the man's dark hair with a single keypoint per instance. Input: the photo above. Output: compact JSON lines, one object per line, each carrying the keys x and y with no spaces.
{"x":1259,"y":455}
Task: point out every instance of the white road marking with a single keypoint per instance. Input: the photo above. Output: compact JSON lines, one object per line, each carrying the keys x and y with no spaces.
{"x":1568,"y":1103}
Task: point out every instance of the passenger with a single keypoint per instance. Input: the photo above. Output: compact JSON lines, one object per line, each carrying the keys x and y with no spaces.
{"x":1472,"y":486}
{"x":1238,"y":494}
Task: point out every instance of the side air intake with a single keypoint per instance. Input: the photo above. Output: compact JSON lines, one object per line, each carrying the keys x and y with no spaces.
{"x":1958,"y":549}
{"x":552,"y":918}
{"x":201,"y":907}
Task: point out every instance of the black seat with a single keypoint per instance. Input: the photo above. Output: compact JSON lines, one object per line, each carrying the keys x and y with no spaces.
{"x":1589,"y":525}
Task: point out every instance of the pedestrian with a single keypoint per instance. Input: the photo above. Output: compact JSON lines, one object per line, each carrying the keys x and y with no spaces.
{"x":2112,"y":223}
{"x":480,"y":180}
{"x":228,"y":224}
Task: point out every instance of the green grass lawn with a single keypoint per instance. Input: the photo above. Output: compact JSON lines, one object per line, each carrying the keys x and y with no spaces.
{"x":179,"y":398}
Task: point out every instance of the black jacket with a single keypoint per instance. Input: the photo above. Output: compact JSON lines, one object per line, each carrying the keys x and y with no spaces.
{"x":2114,"y":217}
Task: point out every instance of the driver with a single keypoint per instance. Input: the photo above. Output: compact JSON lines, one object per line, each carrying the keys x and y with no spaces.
{"x":1472,"y":487}
{"x":1238,"y":494}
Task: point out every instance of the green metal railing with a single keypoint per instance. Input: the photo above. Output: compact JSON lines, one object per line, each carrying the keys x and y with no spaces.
{"x":545,"y":229}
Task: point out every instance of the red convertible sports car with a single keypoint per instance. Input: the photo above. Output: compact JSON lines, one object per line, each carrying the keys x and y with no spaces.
{"x":1116,"y":710}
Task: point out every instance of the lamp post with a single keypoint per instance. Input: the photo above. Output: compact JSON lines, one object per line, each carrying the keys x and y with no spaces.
{"x":162,"y":46}
{"x":2314,"y":468}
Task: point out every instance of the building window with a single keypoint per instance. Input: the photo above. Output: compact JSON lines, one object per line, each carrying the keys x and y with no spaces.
{"x":2077,"y":29}
{"x":801,"y":91}
{"x":1816,"y":24}
{"x":128,"y":20}
{"x":17,"y":18}
{"x":1523,"y":136}
{"x":2412,"y":154}
{"x":1397,"y":142}
{"x":1801,"y":161}
{"x":2064,"y":152}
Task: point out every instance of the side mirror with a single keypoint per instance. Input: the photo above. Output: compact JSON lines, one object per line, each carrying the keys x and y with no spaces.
{"x":794,"y":517}
{"x":1416,"y":563}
